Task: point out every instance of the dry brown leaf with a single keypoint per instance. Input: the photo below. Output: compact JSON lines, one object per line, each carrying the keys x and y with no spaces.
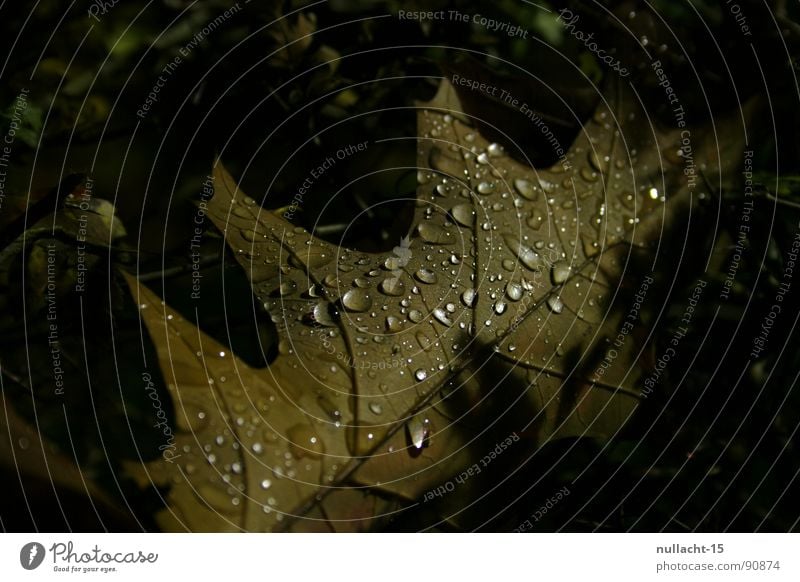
{"x":511,"y":277}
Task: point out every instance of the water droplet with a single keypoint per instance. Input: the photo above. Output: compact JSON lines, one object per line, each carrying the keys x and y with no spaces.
{"x":514,"y":291}
{"x":486,"y":188}
{"x":597,"y":163}
{"x":419,"y":432}
{"x":266,"y":484}
{"x":192,"y":419}
{"x":323,"y":315}
{"x":375,"y":408}
{"x":589,"y":175}
{"x":252,"y":236}
{"x":495,"y":150}
{"x":499,"y":308}
{"x":420,"y":375}
{"x":468,"y":297}
{"x":304,"y":442}
{"x":555,"y":304}
{"x":423,"y":341}
{"x":217,"y":497}
{"x":393,"y":286}
{"x":483,"y":159}
{"x":357,"y":300}
{"x":426,"y":276}
{"x":287,"y":288}
{"x":463,"y":214}
{"x":526,"y":189}
{"x":441,"y":316}
{"x":393,"y":324}
{"x":560,"y":272}
{"x":525,"y":254}
{"x":546,"y":185}
{"x":415,"y":315}
{"x":433,"y":233}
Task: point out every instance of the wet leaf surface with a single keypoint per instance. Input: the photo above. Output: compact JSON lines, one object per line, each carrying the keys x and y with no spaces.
{"x":396,"y":371}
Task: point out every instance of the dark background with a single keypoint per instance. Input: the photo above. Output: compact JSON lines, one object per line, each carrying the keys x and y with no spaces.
{"x":713,"y":449}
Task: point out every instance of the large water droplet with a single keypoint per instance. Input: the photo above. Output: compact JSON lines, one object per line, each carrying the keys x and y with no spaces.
{"x":560,"y":272}
{"x":526,"y":189}
{"x":357,"y":300}
{"x":217,"y":497}
{"x":393,"y":324}
{"x":415,"y":315}
{"x":393,"y":286}
{"x":547,"y":185}
{"x":468,"y":297}
{"x":419,"y":432}
{"x":463,"y":214}
{"x":323,"y":314}
{"x":304,"y":442}
{"x":287,"y":288}
{"x":589,"y":175}
{"x":441,"y":316}
{"x":514,"y":291}
{"x":555,"y":304}
{"x":597,"y":163}
{"x":252,"y":236}
{"x":433,"y":233}
{"x":424,"y":341}
{"x":486,"y":188}
{"x":495,"y":150}
{"x":426,"y":276}
{"x":525,"y":254}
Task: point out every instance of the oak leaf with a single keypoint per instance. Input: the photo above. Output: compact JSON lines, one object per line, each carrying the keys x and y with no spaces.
{"x":398,"y":370}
